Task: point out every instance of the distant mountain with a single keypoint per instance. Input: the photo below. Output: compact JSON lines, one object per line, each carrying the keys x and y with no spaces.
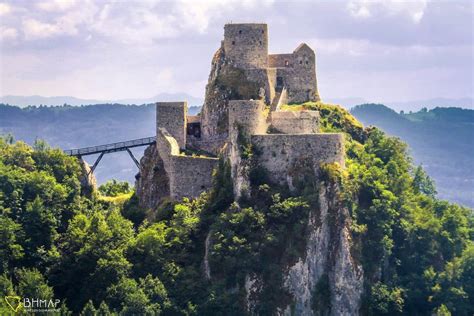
{"x":413,"y":105}
{"x":23,"y":101}
{"x":416,"y":105}
{"x":441,"y":139}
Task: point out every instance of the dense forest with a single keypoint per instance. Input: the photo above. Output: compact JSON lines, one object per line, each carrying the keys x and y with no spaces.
{"x":99,"y":253}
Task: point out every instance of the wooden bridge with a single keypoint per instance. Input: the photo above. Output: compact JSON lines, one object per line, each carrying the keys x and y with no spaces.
{"x":111,"y":148}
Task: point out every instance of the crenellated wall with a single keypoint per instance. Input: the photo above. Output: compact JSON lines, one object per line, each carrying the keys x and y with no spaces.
{"x":283,"y":154}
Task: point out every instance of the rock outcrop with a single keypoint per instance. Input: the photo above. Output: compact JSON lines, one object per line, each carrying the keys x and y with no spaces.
{"x":87,"y":179}
{"x":152,"y":183}
{"x":326,"y":280}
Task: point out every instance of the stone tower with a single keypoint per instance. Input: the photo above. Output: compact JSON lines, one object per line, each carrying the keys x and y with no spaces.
{"x":242,"y":69}
{"x":246,"y":45}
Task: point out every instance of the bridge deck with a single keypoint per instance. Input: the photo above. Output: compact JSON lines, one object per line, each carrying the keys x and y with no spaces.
{"x":110,"y":148}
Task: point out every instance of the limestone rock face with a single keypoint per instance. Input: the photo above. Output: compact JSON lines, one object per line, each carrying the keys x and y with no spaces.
{"x":152,"y":184}
{"x":326,"y":280}
{"x":87,"y":179}
{"x":328,"y":255}
{"x":228,"y":82}
{"x":214,"y":112}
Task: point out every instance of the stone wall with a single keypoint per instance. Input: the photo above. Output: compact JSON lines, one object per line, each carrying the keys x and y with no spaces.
{"x":279,"y":60}
{"x":302,"y":82}
{"x":172,"y":117}
{"x":191,"y":175}
{"x":246,"y":44}
{"x":248,"y":115}
{"x":297,"y":71}
{"x":188,"y":176}
{"x":284,"y":154}
{"x":295,"y":122}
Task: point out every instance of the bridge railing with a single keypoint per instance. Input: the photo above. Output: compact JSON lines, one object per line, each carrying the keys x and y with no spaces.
{"x":110,"y":147}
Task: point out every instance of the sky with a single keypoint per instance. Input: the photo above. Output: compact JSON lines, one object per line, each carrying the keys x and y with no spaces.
{"x":379,"y":50}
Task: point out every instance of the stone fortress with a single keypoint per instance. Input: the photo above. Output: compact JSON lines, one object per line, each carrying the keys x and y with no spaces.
{"x":246,"y":89}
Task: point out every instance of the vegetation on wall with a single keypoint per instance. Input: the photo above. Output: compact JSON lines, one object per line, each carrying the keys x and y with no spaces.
{"x":105,"y":257}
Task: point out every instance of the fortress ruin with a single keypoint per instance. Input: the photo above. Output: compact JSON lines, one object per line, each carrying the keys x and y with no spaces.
{"x":245,"y":92}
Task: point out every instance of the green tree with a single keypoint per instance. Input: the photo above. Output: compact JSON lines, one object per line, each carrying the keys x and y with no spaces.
{"x":89,"y":309}
{"x":32,"y":284}
{"x":10,"y":248}
{"x":423,"y":183}
{"x":114,"y":188}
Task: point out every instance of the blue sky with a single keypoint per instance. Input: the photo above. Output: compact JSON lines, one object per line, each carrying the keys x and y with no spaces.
{"x":377,"y":50}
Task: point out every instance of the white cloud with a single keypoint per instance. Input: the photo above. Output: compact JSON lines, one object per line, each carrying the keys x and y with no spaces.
{"x":34,"y":29}
{"x":364,"y":9}
{"x":67,"y":23}
{"x":56,"y":5}
{"x":8,"y":33}
{"x":5,"y":8}
{"x":147,"y":21}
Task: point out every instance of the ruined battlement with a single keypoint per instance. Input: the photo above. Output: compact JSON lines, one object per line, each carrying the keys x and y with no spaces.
{"x":245,"y":92}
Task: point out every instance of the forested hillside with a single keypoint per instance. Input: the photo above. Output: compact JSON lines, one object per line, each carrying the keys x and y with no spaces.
{"x":100,"y":252}
{"x":441,"y":139}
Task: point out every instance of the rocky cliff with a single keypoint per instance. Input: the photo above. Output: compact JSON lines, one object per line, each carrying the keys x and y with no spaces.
{"x":327,"y":280}
{"x":226,"y":82}
{"x":152,"y":183}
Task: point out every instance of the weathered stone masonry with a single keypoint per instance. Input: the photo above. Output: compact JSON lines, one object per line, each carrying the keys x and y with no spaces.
{"x":246,"y":89}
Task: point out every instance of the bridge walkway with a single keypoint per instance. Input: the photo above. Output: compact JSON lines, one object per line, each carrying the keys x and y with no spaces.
{"x":111,"y":148}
